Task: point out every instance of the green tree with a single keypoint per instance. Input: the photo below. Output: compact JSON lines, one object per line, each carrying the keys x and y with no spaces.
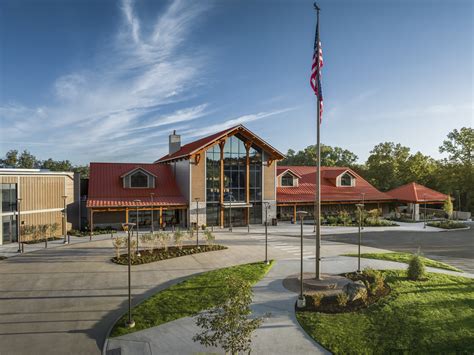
{"x":448,"y":207}
{"x":386,"y":165}
{"x":330,"y":156}
{"x":228,"y":324}
{"x":11,"y":159}
{"x":419,"y":168}
{"x":456,"y":174}
{"x":27,"y":160}
{"x":57,"y":165}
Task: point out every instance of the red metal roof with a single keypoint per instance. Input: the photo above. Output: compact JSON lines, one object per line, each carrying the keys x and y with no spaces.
{"x":306,"y":189}
{"x":190,"y":148}
{"x":416,"y":193}
{"x":106,"y":186}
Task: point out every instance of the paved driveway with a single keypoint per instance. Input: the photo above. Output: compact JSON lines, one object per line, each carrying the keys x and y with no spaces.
{"x":453,"y":247}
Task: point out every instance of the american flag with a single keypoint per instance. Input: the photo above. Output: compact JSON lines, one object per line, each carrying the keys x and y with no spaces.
{"x":316,"y":72}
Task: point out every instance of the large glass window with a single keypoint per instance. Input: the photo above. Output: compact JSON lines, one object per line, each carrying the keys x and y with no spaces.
{"x":139,"y":179}
{"x":9,"y":199}
{"x":235,"y":169}
{"x":235,"y":173}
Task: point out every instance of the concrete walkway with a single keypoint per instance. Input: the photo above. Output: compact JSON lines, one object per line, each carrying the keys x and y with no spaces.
{"x":280,"y":332}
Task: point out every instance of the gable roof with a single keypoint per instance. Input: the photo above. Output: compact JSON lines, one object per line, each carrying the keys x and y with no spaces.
{"x":416,"y":193}
{"x":191,"y":148}
{"x":136,"y":169}
{"x":106,"y":186}
{"x":294,"y":173}
{"x":306,"y":189}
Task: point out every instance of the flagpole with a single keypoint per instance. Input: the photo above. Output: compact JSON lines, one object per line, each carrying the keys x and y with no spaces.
{"x":318,"y":169}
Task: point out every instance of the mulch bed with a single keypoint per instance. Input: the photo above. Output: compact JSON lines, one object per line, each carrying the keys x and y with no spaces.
{"x":149,"y":256}
{"x":329,"y":304}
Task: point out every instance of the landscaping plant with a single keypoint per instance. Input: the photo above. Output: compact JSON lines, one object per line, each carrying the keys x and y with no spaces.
{"x":118,"y":243}
{"x":342,"y":299}
{"x":448,"y":207}
{"x":164,"y":239}
{"x":416,"y":268}
{"x":178,"y":239}
{"x":210,"y":238}
{"x":315,"y":298}
{"x":228,"y":324}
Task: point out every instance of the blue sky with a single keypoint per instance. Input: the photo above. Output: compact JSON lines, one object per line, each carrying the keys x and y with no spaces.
{"x":109,"y":80}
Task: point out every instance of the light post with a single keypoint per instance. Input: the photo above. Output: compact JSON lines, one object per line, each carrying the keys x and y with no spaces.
{"x":267,"y":207}
{"x":66,"y":241}
{"x":137,"y":203}
{"x":230,"y":211}
{"x":363,"y":209}
{"x":424,"y":224}
{"x":197,"y":220}
{"x":152,"y":211}
{"x":359,"y":207}
{"x":18,"y":223}
{"x":301,"y":303}
{"x":130,"y":322}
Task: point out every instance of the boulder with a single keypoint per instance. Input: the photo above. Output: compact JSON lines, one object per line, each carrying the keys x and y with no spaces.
{"x":354,"y":290}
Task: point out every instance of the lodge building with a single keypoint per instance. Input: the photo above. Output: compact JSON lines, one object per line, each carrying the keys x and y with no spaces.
{"x":230,"y":177}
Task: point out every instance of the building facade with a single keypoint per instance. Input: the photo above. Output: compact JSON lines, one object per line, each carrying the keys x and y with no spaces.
{"x":31,"y":198}
{"x":228,"y":178}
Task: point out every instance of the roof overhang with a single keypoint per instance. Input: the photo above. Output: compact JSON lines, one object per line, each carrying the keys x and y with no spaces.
{"x":276,"y":154}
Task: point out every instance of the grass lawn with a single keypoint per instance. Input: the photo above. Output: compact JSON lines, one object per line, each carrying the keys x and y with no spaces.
{"x":405,"y":258}
{"x":189,"y":297}
{"x":433,"y":316}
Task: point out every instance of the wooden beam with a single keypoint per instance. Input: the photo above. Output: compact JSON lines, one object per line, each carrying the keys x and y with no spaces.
{"x":221,"y":177}
{"x":248,"y":144}
{"x":161,"y":217}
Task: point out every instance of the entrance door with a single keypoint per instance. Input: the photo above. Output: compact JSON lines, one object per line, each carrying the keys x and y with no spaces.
{"x":9,"y":229}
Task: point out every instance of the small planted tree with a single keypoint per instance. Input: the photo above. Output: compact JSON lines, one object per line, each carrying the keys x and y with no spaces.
{"x":210,"y":238}
{"x":53,"y":228}
{"x":147,"y":240}
{"x":178,"y":239}
{"x":118,"y":243}
{"x":448,"y":207}
{"x":164,"y":239}
{"x":228,"y":324}
{"x":416,"y":268}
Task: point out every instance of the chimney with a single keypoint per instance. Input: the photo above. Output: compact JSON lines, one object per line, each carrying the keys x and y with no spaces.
{"x":174,"y":142}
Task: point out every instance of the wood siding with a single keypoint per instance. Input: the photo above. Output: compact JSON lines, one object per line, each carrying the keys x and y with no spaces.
{"x":269,"y":181}
{"x":198,"y":177}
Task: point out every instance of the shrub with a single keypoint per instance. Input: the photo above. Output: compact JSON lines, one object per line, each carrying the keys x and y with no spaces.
{"x":344,"y":218}
{"x":210,"y":238}
{"x":331,"y":220}
{"x":416,"y":268}
{"x":178,"y":239}
{"x":164,"y":239}
{"x":364,"y":296}
{"x":375,"y":280}
{"x":342,"y":299}
{"x":447,"y":224}
{"x":314,"y":299}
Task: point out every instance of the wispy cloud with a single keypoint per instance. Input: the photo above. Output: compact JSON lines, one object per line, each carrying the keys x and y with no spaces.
{"x":130,"y":97}
{"x":125,"y":97}
{"x":191,"y":133}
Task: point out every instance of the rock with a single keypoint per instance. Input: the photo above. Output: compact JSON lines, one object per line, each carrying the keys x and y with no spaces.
{"x":354,"y":290}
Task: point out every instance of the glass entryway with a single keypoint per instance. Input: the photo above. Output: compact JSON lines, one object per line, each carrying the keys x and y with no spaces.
{"x":9,"y":229}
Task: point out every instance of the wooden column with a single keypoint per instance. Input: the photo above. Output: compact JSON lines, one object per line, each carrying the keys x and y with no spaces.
{"x":294,"y":214}
{"x":126,"y":215}
{"x":248,"y":144}
{"x":161,"y":217}
{"x":221,"y":179}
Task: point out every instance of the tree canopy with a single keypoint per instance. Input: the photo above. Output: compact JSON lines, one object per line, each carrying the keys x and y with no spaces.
{"x":26,"y":160}
{"x":330,"y":156}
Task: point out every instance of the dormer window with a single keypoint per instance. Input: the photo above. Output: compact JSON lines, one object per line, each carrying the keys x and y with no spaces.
{"x":347,"y":180}
{"x":287,"y":180}
{"x":138,"y":178}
